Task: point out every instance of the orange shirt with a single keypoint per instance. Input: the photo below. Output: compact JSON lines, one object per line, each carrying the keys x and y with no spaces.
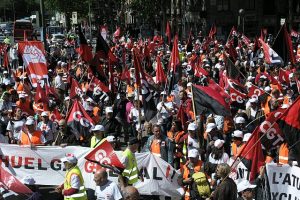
{"x":155,"y":147}
{"x":35,"y":139}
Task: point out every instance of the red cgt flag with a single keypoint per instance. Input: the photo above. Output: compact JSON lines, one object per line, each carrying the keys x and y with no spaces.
{"x":168,"y":32}
{"x":160,"y":74}
{"x":9,"y":182}
{"x":105,"y":156}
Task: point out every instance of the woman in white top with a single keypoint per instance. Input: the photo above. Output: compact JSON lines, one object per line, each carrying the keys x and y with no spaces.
{"x":218,"y":156}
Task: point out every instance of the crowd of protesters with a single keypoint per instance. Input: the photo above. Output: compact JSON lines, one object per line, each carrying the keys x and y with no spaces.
{"x":201,"y":146}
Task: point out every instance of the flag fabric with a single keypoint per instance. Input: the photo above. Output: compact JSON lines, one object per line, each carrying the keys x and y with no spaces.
{"x":283,"y":45}
{"x":189,"y":43}
{"x":142,"y":82}
{"x":103,"y":51}
{"x":289,"y":123}
{"x":207,"y":99}
{"x":160,"y":74}
{"x":10,"y":182}
{"x":182,"y":116}
{"x":233,"y":55}
{"x":283,"y":76}
{"x":33,"y":55}
{"x":212,"y":32}
{"x":40,"y":95}
{"x":50,"y":91}
{"x":105,"y":156}
{"x":255,"y":92}
{"x":79,"y":121}
{"x":263,"y":34}
{"x":117,"y":33}
{"x":271,"y":57}
{"x":168,"y":32}
{"x":75,"y":89}
{"x":232,"y":71}
{"x":55,"y":116}
{"x":175,"y":55}
{"x":84,"y":50}
{"x":5,"y":56}
{"x":246,"y":40}
{"x":252,"y":154}
{"x":97,"y":83}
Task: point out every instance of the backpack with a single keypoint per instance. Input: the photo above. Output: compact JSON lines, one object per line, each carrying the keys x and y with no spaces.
{"x":202,"y":184}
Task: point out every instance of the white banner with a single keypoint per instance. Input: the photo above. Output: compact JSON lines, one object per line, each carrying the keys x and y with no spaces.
{"x":44,"y":165}
{"x":283,"y":181}
{"x":239,"y":171}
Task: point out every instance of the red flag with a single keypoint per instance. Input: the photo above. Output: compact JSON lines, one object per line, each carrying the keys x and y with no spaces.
{"x":283,"y":76}
{"x":12,"y":183}
{"x":246,"y":40}
{"x":79,"y":121}
{"x":182,"y":116}
{"x":125,"y":75}
{"x":168,"y":32}
{"x":50,"y":91}
{"x":212,"y":32}
{"x":160,"y":74}
{"x":175,"y":55}
{"x":103,"y":50}
{"x":271,"y":57}
{"x":104,"y":155}
{"x":263,"y":34}
{"x":33,"y":54}
{"x":55,"y":116}
{"x":252,"y":155}
{"x":255,"y":92}
{"x":40,"y":95}
{"x":97,"y":83}
{"x":137,"y":67}
{"x":75,"y":89}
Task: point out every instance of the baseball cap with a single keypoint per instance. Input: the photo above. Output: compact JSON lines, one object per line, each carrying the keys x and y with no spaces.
{"x":245,"y":184}
{"x":44,"y":114}
{"x":239,"y":120}
{"x":193,"y":153}
{"x":246,"y":137}
{"x":108,"y":110}
{"x":219,"y":143}
{"x":70,"y":158}
{"x":29,"y":121}
{"x":111,"y":138}
{"x":192,"y":127}
{"x":98,"y":127}
{"x":238,"y":134}
{"x":210,"y":126}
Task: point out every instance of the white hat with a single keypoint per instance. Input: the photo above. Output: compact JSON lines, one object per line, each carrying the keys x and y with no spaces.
{"x":44,"y":114}
{"x":30,"y":121}
{"x":247,"y":137}
{"x":70,"y":158}
{"x":163,"y":93}
{"x":267,"y":89}
{"x":21,"y":95}
{"x":5,"y":72}
{"x":219,"y":143}
{"x":59,"y":62}
{"x":263,"y":76}
{"x":192,"y":127}
{"x":111,"y":138}
{"x":20,"y":67}
{"x":238,"y":134}
{"x":284,"y":106}
{"x":210,"y":126}
{"x":67,"y":98}
{"x":253,"y":100}
{"x":108,"y":110}
{"x":184,"y":64}
{"x":291,"y":75}
{"x":193,"y":153}
{"x":245,"y":184}
{"x":98,"y":128}
{"x":189,"y":84}
{"x":28,"y":180}
{"x":239,"y":120}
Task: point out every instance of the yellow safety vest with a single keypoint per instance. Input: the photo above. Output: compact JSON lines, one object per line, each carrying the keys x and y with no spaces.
{"x":95,"y":143}
{"x":131,"y":171}
{"x":81,"y":195}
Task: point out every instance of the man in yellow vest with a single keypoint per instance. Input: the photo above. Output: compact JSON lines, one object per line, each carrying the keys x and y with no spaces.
{"x":73,"y":187}
{"x":131,"y":172}
{"x":98,"y":137}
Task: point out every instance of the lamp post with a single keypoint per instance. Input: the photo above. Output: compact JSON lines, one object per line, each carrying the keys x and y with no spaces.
{"x":241,"y":18}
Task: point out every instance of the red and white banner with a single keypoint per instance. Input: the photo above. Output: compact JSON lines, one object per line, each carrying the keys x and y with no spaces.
{"x":44,"y":165}
{"x":33,"y":54}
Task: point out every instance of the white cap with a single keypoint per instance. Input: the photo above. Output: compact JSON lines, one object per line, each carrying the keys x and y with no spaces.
{"x":70,"y":158}
{"x":5,"y":72}
{"x":210,"y":126}
{"x":163,"y":93}
{"x":245,"y":184}
{"x":30,"y":121}
{"x":239,"y":120}
{"x":111,"y":138}
{"x":21,"y":95}
{"x":263,"y":76}
{"x":267,"y":89}
{"x":247,"y":137}
{"x":108,"y":110}
{"x":238,"y":134}
{"x":192,"y":127}
{"x":219,"y":143}
{"x":291,"y":75}
{"x":28,"y":180}
{"x":284,"y":106}
{"x":253,"y":100}
{"x":98,"y":128}
{"x":184,"y":64}
{"x":67,"y":98}
{"x":189,"y":84}
{"x":59,"y":62}
{"x":20,"y":67}
{"x":193,"y":153}
{"x":44,"y":114}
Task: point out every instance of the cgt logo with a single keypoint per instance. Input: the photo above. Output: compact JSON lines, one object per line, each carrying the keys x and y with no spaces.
{"x":256,"y":93}
{"x":77,"y":116}
{"x":100,"y":157}
{"x":236,"y":97}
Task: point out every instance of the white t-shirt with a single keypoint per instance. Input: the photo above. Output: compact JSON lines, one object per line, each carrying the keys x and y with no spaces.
{"x":162,"y":111}
{"x":192,"y":143}
{"x":15,"y":126}
{"x":109,"y":191}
